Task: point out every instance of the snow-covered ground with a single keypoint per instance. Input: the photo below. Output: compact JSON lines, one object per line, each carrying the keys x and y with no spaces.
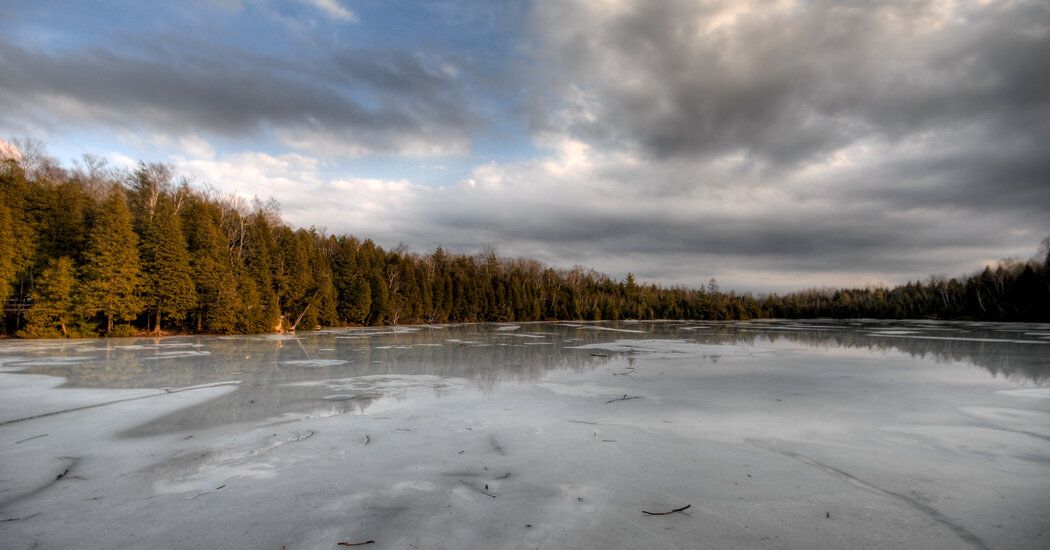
{"x":861,"y":434}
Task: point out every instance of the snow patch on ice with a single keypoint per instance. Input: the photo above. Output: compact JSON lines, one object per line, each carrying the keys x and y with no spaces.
{"x":217,"y":468}
{"x":315,"y":363}
{"x":1035,"y":422}
{"x":978,"y":440}
{"x":176,"y":355}
{"x":1038,"y":393}
{"x":608,"y":329}
{"x":54,"y":361}
{"x":960,"y":339}
{"x":338,"y":397}
{"x":663,"y":348}
{"x":588,"y":390}
{"x":396,"y":385}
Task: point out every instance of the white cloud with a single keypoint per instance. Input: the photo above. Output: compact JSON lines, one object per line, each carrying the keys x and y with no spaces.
{"x":370,"y":208}
{"x":121,"y":160}
{"x":333,"y":9}
{"x":287,"y":177}
{"x":196,"y":146}
{"x":427,"y":143}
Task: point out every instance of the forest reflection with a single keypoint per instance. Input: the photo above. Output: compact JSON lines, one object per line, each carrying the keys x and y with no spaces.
{"x":285,"y":374}
{"x":489,"y":354}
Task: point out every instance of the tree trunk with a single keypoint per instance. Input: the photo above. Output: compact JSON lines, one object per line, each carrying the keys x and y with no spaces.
{"x":308,"y":304}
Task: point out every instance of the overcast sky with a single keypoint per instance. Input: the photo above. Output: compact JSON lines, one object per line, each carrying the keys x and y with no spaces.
{"x":774,"y":145}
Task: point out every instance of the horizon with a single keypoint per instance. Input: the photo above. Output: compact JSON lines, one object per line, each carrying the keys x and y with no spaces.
{"x":774,"y":147}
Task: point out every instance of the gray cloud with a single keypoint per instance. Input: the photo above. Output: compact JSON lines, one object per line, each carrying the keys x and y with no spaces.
{"x":976,"y":180}
{"x":784,"y":83}
{"x":774,"y":145}
{"x":359,"y":102}
{"x":828,"y":140}
{"x":753,"y":235}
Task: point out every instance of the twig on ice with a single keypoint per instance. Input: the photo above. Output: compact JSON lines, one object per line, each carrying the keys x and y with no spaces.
{"x":686,"y":507}
{"x":624,"y":398}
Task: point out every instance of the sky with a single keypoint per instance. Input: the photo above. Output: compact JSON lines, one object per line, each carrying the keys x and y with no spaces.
{"x":774,"y":145}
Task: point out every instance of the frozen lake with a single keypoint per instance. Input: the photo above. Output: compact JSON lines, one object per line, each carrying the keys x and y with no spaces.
{"x":816,"y":434}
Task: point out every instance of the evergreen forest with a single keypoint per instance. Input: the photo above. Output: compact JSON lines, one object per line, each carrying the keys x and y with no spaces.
{"x":92,"y":250}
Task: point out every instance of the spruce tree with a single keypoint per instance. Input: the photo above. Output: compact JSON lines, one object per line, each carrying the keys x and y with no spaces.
{"x":52,"y":300}
{"x":345,"y":271}
{"x":255,"y":317}
{"x":292,"y":278}
{"x":259,"y":263}
{"x":225,"y":314}
{"x":218,"y":307}
{"x":357,"y":300}
{"x":168,"y":287}
{"x":57,"y":211}
{"x":7,"y":255}
{"x":111,"y":263}
{"x":18,"y":240}
{"x":326,"y":299}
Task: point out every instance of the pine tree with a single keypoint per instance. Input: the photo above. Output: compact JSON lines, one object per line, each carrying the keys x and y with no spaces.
{"x":57,"y":210}
{"x":357,"y":300}
{"x":168,"y":287}
{"x":292,"y":278}
{"x":17,"y":237}
{"x":259,"y":264}
{"x":217,"y":308}
{"x":111,"y":263}
{"x":353,"y":304}
{"x":255,"y":317}
{"x":327,"y":298}
{"x":7,"y":255}
{"x":52,"y":300}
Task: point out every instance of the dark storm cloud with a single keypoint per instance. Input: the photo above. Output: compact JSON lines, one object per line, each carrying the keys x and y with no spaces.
{"x":680,"y":249}
{"x":774,"y":145}
{"x":897,"y":138}
{"x":842,"y":235}
{"x":784,"y":83}
{"x":978,"y":180}
{"x":365,"y":101}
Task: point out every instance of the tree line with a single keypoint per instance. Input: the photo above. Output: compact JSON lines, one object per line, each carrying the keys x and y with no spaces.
{"x":92,"y":250}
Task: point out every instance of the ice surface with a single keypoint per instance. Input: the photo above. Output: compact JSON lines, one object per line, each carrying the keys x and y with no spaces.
{"x":315,"y":362}
{"x":918,"y":337}
{"x":611,"y":329}
{"x":1037,"y":393}
{"x":858,"y":434}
